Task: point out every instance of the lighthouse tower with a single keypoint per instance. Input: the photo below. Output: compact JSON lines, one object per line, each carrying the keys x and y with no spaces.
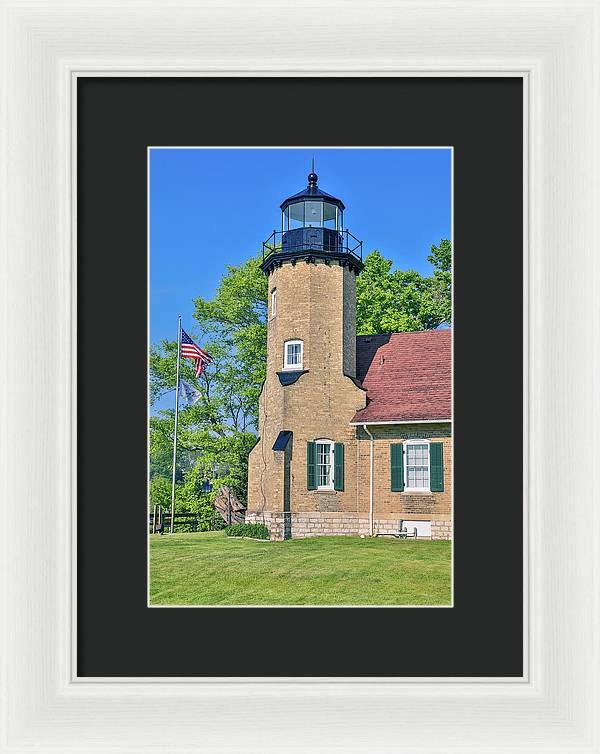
{"x":302,"y":471}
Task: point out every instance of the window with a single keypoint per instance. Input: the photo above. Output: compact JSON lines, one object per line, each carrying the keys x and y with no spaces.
{"x":416,"y":461}
{"x":329,"y":215}
{"x":314,"y":214}
{"x":273,"y":302}
{"x":292,"y":358}
{"x":311,"y":214}
{"x":324,"y":465}
{"x":296,"y":215}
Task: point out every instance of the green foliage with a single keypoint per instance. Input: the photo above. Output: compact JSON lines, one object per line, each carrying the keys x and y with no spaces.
{"x":402,"y":301}
{"x":235,"y":321}
{"x":441,"y":286}
{"x":216,"y":434}
{"x":188,"y":499}
{"x":161,"y":449}
{"x":160,"y":492}
{"x":218,"y":522}
{"x":256,"y":531}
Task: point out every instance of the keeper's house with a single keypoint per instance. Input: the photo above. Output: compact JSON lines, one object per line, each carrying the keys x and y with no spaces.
{"x":355,"y":432}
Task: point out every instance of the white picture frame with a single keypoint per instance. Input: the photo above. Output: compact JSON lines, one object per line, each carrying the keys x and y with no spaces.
{"x":554,"y":46}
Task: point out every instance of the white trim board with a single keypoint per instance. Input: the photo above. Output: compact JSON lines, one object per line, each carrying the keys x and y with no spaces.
{"x":554,"y":46}
{"x":408,"y":421}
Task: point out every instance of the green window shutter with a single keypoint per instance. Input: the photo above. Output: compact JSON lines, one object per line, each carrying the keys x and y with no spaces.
{"x":338,"y":467}
{"x":436,"y":466}
{"x":311,"y":466}
{"x":397,"y":466}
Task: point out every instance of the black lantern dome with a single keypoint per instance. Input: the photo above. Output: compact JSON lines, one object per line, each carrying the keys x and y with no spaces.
{"x":312,"y":227}
{"x":312,"y":207}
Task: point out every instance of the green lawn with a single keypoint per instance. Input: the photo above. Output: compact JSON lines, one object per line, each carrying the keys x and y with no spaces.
{"x":212,"y":569}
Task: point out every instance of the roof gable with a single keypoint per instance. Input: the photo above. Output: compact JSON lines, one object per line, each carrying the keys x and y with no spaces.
{"x":408,"y":376}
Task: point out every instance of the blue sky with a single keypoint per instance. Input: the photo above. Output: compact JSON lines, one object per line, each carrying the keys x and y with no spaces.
{"x":213,"y":207}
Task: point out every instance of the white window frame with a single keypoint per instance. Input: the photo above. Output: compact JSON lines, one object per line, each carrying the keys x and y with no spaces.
{"x":330,"y":485}
{"x":406,"y":443}
{"x":293,"y":367}
{"x":273,"y":303}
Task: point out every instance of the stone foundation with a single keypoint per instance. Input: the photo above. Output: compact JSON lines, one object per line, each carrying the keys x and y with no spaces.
{"x":441,"y":530}
{"x":330,"y":523}
{"x":310,"y":524}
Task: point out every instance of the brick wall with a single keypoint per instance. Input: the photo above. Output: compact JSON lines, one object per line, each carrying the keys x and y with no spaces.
{"x":316,"y":303}
{"x":432,"y":506}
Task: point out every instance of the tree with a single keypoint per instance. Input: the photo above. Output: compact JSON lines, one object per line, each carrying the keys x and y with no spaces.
{"x":217,"y":432}
{"x":403,"y":301}
{"x":441,"y":285}
{"x":160,"y":492}
{"x":189,"y":498}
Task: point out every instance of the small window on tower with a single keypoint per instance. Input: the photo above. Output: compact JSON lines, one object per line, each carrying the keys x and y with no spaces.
{"x":292,"y":358}
{"x":273,"y":302}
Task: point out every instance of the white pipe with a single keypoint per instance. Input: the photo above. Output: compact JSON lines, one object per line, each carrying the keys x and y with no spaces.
{"x":371,"y":463}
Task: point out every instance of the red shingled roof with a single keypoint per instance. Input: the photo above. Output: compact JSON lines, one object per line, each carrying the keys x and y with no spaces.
{"x":407,"y":376}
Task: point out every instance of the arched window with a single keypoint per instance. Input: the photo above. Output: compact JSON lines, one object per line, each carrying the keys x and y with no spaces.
{"x":324,"y":463}
{"x":293,"y":354}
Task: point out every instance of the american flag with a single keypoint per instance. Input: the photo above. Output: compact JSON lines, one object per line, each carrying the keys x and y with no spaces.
{"x":189,"y":350}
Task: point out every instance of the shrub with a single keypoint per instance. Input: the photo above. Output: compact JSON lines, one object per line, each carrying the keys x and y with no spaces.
{"x":217,"y":523}
{"x":257,"y":531}
{"x":189,"y":499}
{"x":160,"y":492}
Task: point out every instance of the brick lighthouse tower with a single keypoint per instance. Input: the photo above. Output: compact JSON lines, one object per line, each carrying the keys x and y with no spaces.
{"x":303,"y":471}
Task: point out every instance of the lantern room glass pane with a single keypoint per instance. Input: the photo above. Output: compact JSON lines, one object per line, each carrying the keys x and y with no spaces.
{"x":296,"y":212}
{"x":314,"y":214}
{"x":329,"y":215}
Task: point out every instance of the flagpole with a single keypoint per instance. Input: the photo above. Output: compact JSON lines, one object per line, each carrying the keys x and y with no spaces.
{"x":176,"y":419}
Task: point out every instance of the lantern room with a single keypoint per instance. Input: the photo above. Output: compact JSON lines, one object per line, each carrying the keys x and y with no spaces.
{"x":312,"y":227}
{"x":312,"y":208}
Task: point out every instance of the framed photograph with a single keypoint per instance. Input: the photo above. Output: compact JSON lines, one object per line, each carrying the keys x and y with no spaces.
{"x":287,"y":356}
{"x":315,"y":328}
{"x":319,"y":403}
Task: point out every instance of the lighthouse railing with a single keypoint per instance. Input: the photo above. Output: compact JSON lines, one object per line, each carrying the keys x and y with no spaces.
{"x":321,"y":240}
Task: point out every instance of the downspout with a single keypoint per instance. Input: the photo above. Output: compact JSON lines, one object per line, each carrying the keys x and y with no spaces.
{"x":371,"y":463}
